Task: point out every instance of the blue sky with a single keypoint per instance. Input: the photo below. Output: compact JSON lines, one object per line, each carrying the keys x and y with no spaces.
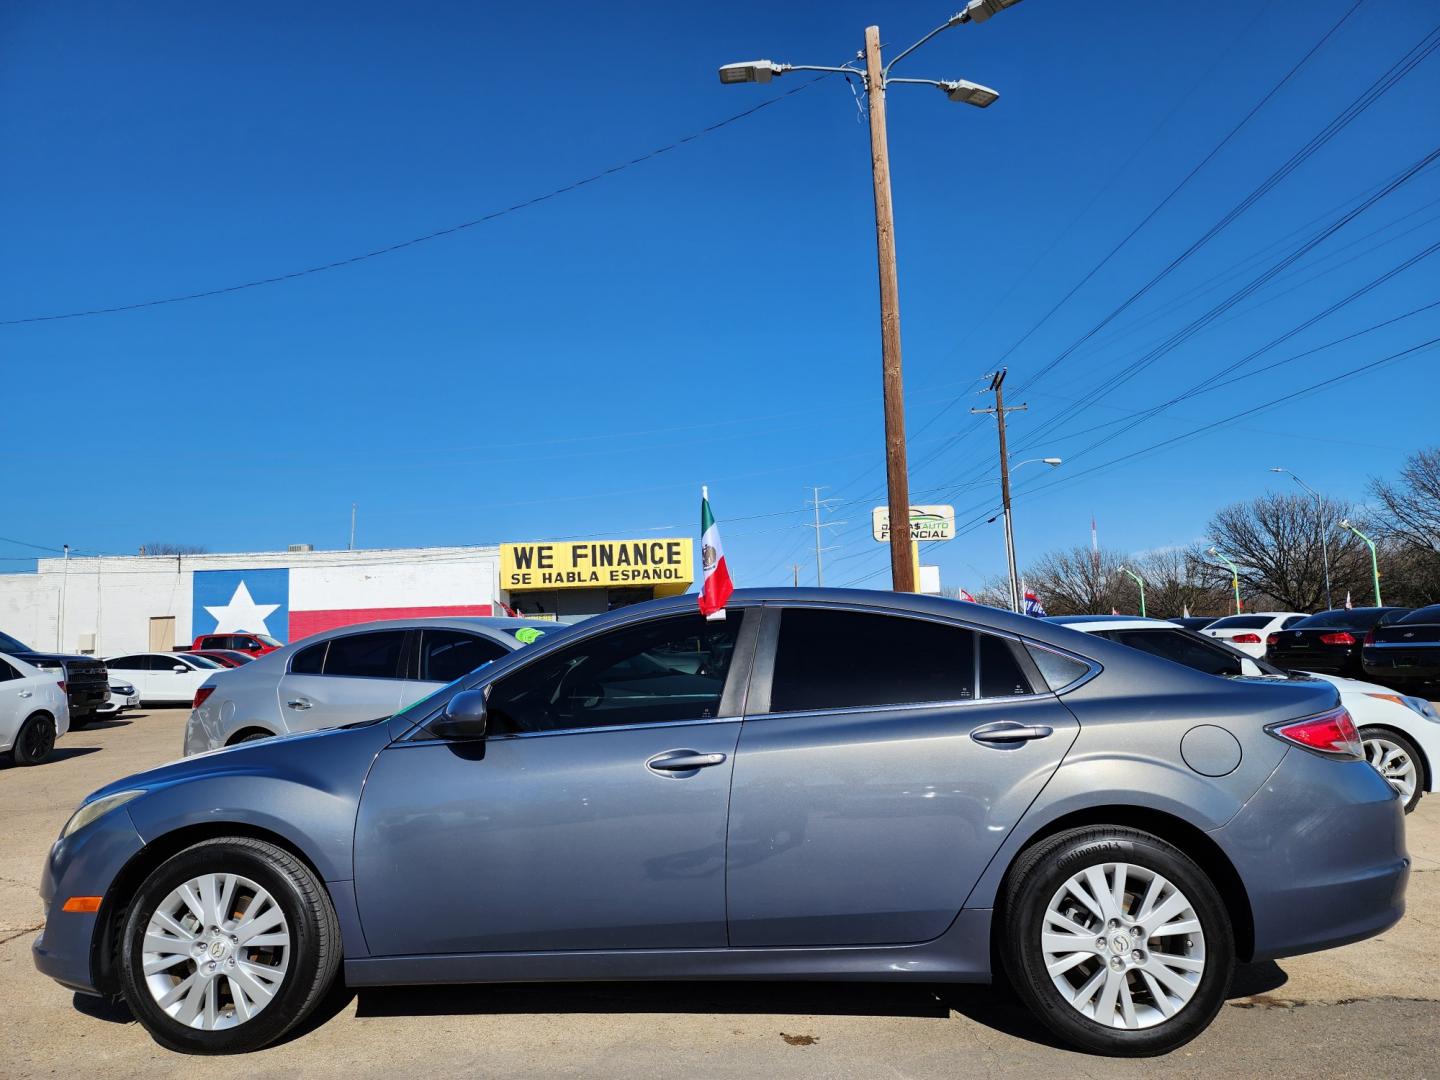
{"x":581,"y":366}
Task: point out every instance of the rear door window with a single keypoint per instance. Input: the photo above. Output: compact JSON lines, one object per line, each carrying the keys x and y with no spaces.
{"x":375,"y":655}
{"x":309,"y":660}
{"x":127,"y":663}
{"x":7,"y":672}
{"x":852,"y":659}
{"x":1000,"y":672}
{"x":445,"y":655}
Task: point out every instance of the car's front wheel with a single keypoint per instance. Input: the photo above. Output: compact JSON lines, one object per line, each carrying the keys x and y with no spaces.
{"x":227,"y":945}
{"x":1117,"y":941}
{"x":1396,"y":759}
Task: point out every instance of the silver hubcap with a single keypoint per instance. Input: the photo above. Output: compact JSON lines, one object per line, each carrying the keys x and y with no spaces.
{"x":216,"y":951}
{"x":1123,"y":945}
{"x":1394,"y":764}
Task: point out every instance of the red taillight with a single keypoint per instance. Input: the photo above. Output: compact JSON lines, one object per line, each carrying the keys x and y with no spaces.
{"x":61,"y":684}
{"x":1273,"y":639}
{"x":1245,"y":639}
{"x":1329,"y":733}
{"x":200,"y":696}
{"x":1370,"y":636}
{"x":1341,"y":637}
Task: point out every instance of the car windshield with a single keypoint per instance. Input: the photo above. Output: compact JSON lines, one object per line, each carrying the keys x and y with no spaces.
{"x":1241,"y":622}
{"x":1429,"y":614}
{"x":267,"y":640}
{"x":203,"y":661}
{"x":12,"y":645}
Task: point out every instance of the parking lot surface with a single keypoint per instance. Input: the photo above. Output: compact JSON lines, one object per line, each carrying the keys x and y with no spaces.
{"x":1371,"y":1009}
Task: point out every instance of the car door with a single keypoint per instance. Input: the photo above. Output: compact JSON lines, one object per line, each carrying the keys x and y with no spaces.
{"x":343,"y":680}
{"x":592,"y":816}
{"x":443,"y":655}
{"x":883,"y":760}
{"x":135,"y":669}
{"x":16,"y":695}
{"x":169,"y":679}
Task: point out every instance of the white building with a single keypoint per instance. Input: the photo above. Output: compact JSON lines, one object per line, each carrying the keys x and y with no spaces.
{"x":115,"y":604}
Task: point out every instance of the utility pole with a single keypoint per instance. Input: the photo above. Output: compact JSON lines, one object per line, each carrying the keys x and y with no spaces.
{"x":998,"y":410}
{"x":352,"y":528}
{"x":818,"y":503}
{"x":60,"y":619}
{"x":897,"y":477}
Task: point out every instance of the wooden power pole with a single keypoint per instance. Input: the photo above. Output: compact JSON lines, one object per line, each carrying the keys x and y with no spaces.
{"x":902,"y":566}
{"x":999,"y":409}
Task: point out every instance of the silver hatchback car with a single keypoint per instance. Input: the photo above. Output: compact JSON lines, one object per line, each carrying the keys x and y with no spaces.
{"x":347,"y":675}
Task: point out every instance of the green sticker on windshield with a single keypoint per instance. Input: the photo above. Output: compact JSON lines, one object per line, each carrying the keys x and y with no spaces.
{"x":528,"y":635}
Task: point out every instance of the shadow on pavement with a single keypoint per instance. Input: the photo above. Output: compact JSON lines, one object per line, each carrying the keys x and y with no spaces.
{"x":58,"y":754}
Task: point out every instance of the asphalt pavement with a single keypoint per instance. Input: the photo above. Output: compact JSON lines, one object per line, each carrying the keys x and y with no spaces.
{"x":1370,"y":1009}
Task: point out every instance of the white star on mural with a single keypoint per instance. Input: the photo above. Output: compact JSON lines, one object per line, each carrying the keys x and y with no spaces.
{"x":242,"y":614}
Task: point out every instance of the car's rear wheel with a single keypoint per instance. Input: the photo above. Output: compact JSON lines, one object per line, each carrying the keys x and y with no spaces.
{"x":1397,"y":760}
{"x":1117,"y":941}
{"x":35,"y":741}
{"x":228,"y":945}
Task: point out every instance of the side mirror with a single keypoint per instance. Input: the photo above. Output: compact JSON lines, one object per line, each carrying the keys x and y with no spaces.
{"x":463,"y":719}
{"x":180,"y":669}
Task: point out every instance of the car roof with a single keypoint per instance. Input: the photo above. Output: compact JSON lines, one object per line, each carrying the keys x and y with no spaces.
{"x":1092,"y":624}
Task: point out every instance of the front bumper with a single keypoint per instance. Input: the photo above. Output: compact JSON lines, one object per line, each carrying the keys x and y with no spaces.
{"x":84,"y":864}
{"x":1321,"y":850}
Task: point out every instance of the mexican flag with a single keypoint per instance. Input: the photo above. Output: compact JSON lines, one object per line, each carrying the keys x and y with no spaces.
{"x":717,"y":587}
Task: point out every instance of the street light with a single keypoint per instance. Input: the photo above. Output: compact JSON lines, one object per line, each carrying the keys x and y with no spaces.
{"x":1324,"y":533}
{"x":1374,"y":561}
{"x":1234,"y":576}
{"x":1138,"y":581}
{"x":876,"y":78}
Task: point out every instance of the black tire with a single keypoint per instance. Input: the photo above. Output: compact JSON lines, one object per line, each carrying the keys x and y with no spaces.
{"x":1042,"y":871}
{"x":314,"y":932}
{"x":1390,"y":735}
{"x":254,"y":736}
{"x":35,"y":740}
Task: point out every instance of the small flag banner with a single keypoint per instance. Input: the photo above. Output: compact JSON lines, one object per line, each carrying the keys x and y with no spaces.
{"x":1033,"y":606}
{"x":716,"y":586}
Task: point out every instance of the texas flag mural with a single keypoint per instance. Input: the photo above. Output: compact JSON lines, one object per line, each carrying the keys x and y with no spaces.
{"x":289,"y":604}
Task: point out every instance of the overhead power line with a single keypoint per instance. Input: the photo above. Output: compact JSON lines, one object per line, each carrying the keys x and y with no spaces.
{"x":450,"y":230}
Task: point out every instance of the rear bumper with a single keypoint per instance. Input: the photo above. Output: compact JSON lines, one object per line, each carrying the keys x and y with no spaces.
{"x":85,"y":864}
{"x":1321,"y":850}
{"x":1383,"y":664}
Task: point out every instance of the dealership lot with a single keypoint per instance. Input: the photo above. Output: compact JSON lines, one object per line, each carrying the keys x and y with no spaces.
{"x":1370,"y":1009}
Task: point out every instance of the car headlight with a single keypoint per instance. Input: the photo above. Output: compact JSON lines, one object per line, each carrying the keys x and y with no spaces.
{"x":1414,"y":704}
{"x":121,"y":688}
{"x":93,"y":811}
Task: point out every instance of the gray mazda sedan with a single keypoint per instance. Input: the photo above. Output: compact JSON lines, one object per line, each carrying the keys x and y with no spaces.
{"x":825,"y":784}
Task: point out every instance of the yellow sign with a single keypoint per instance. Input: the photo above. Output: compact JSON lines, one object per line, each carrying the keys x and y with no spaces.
{"x":669,"y":565}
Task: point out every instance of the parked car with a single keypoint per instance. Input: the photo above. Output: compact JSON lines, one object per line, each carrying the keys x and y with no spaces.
{"x":348,"y":674}
{"x":1329,"y":641}
{"x":250,"y":644}
{"x":1193,"y":622}
{"x":162,"y":678}
{"x":825,"y":784}
{"x":1248,"y":633}
{"x":1401,"y":734}
{"x":87,"y":687}
{"x":123,"y":696}
{"x":224,"y":657}
{"x":34,"y":710}
{"x":1406,"y":652}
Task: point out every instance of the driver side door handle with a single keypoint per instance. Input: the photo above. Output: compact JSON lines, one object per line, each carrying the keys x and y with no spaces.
{"x":683,"y":761}
{"x":298,"y":703}
{"x":1008,"y":735}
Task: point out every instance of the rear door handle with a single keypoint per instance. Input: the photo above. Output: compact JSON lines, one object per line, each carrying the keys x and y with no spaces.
{"x":27,"y":693}
{"x":1008,"y":734}
{"x":298,"y":703}
{"x":680,"y":761}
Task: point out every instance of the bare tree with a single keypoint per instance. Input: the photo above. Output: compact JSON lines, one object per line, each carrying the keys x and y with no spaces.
{"x":1177,"y":581}
{"x":1409,"y":528}
{"x":165,"y":548}
{"x":1276,"y":542}
{"x":1077,"y":581}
